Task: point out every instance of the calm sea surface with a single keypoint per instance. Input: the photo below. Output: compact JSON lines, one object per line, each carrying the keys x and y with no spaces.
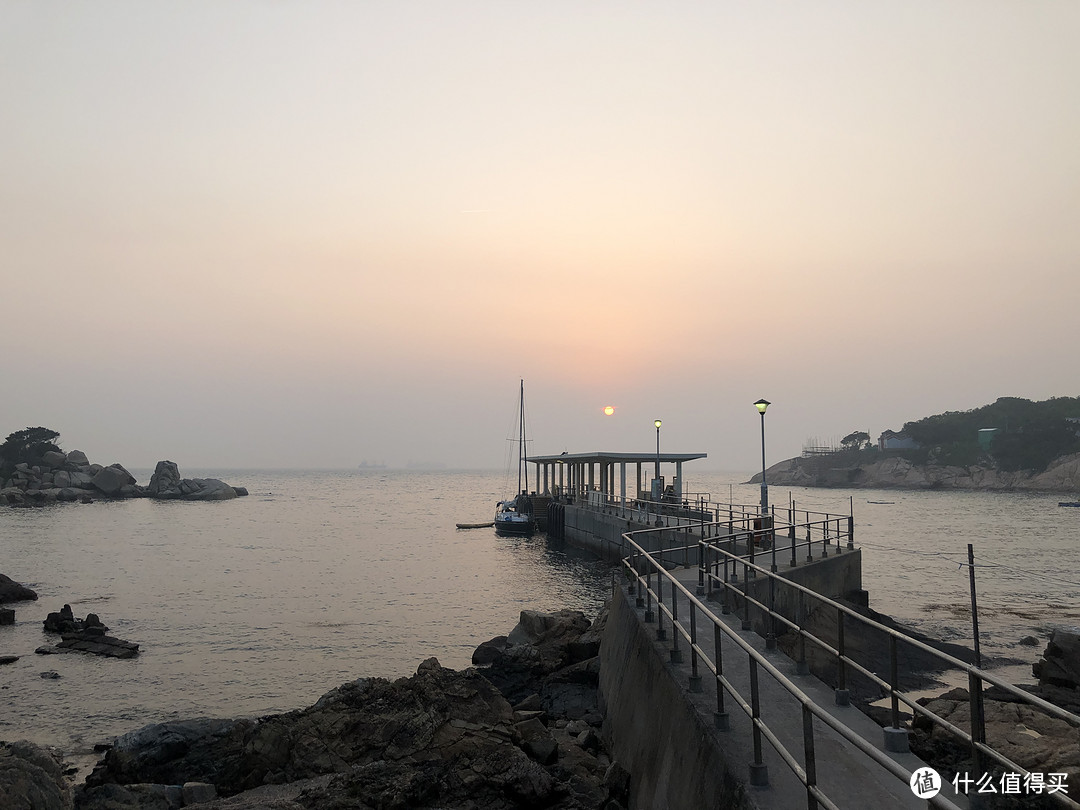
{"x":264,"y":603}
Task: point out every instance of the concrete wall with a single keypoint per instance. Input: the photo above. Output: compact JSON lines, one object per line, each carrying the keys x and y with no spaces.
{"x":652,"y":729}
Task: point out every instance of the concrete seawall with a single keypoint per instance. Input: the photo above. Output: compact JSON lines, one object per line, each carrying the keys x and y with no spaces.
{"x":651,"y":727}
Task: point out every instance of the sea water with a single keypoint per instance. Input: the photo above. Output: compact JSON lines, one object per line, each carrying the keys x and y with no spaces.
{"x":262,"y":604}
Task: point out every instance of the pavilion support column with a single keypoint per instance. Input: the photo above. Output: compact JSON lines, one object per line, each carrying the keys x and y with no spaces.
{"x":678,"y":481}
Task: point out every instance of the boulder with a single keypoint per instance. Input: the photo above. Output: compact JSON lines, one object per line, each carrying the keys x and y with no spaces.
{"x":12,"y":591}
{"x":32,"y":777}
{"x":77,"y":458}
{"x":111,"y":479}
{"x":165,"y":482}
{"x":7,"y":616}
{"x":1060,"y":664}
{"x":53,"y":459}
{"x":206,"y":489}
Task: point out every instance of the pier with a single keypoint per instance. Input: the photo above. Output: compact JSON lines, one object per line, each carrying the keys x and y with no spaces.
{"x":719,"y":687}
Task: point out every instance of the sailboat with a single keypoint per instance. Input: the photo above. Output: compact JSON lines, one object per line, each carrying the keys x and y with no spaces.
{"x":515,"y":515}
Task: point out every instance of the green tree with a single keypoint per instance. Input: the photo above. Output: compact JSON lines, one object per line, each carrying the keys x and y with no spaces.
{"x":856,"y":441}
{"x":28,"y":445}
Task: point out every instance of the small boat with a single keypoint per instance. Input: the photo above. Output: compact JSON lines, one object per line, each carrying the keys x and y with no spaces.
{"x":487,"y":525}
{"x":514,"y":516}
{"x":1068,"y":503}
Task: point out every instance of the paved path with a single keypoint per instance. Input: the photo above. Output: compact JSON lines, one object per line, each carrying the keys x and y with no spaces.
{"x":848,"y":776}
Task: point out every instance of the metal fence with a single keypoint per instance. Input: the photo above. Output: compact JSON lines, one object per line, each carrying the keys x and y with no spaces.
{"x":725,"y":558}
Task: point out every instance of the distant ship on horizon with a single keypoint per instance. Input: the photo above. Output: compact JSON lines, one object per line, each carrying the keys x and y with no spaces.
{"x":366,"y":466}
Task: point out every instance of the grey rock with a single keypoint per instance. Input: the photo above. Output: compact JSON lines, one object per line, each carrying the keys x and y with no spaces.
{"x":12,"y":591}
{"x":53,"y":459}
{"x":77,"y":458}
{"x":240,"y":491}
{"x":1060,"y":664}
{"x":195,"y":792}
{"x":537,"y":741}
{"x":7,"y":616}
{"x":8,"y":659}
{"x":32,"y":778}
{"x":109,"y":480}
{"x":165,"y":481}
{"x":51,"y":675}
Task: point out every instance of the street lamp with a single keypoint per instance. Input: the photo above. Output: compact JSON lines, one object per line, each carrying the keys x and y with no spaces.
{"x":761,"y":405}
{"x":657,"y":423}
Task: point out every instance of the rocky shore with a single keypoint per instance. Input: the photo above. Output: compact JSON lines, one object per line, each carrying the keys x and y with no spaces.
{"x":70,"y":477}
{"x":845,"y":470}
{"x":519,"y":729}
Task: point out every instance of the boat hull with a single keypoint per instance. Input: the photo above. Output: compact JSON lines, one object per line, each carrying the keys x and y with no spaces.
{"x":518,"y":528}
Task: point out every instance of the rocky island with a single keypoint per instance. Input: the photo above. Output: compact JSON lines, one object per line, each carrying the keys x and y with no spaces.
{"x":34,"y":471}
{"x":1012,"y":444}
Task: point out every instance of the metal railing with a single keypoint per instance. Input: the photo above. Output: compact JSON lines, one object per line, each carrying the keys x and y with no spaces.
{"x":719,"y":565}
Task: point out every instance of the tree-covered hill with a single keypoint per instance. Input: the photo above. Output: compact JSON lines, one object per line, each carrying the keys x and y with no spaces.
{"x":1029,"y":434}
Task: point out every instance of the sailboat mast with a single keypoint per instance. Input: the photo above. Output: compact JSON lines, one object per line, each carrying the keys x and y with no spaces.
{"x":522,"y":453}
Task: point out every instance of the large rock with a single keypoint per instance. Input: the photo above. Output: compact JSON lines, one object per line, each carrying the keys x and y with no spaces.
{"x":437,"y":732}
{"x":1027,"y":736}
{"x":77,"y":458}
{"x":53,"y":459}
{"x":1060,"y":664}
{"x":31,"y":778}
{"x":12,"y":591}
{"x":165,"y":482}
{"x":110,"y":480}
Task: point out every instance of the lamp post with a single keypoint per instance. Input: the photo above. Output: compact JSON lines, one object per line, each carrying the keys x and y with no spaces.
{"x":656,"y":476}
{"x":761,"y":405}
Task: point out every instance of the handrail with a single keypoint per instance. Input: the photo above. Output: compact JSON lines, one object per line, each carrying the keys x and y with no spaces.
{"x":806,"y":775}
{"x":975,"y":739}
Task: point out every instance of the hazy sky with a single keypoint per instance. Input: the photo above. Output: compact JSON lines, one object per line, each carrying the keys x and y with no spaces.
{"x":308,"y":234}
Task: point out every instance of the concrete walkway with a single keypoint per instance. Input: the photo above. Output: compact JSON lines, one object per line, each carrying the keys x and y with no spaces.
{"x":848,"y":776}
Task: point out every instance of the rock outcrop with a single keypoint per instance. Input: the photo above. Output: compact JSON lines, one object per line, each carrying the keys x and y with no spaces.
{"x":1060,"y":662}
{"x":67,"y":478}
{"x":440,"y":738}
{"x":12,"y":591}
{"x":84,"y":635}
{"x":841,"y":470}
{"x":32,"y":778}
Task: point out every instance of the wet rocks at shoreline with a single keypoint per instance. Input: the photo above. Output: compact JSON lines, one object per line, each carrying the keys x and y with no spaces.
{"x":12,"y":591}
{"x":70,"y":477}
{"x":87,"y":635}
{"x":521,"y":731}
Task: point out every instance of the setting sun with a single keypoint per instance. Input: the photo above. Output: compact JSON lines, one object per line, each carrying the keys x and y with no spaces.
{"x":609,"y":410}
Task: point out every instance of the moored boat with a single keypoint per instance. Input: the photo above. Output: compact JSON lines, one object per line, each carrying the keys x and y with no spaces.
{"x":514,"y":516}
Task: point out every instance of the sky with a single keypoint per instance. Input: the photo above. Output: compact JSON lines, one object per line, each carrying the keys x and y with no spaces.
{"x":311,"y":234}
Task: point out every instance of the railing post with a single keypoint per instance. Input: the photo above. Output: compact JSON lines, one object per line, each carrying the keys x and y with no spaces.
{"x":851,"y":523}
{"x":676,"y":653}
{"x":746,"y":597}
{"x":809,"y":545}
{"x":809,"y":758}
{"x":770,"y":638}
{"x":842,"y":697}
{"x":695,"y":678}
{"x":720,"y":717}
{"x":648,"y":597}
{"x":725,"y":608}
{"x":759,"y":771}
{"x":801,"y":666}
{"x":791,"y":532}
{"x":896,"y":736}
{"x":661,"y":634}
{"x":825,"y":538}
{"x":978,"y":720}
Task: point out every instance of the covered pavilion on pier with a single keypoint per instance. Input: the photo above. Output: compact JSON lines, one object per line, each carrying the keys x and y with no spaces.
{"x":577,"y":473}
